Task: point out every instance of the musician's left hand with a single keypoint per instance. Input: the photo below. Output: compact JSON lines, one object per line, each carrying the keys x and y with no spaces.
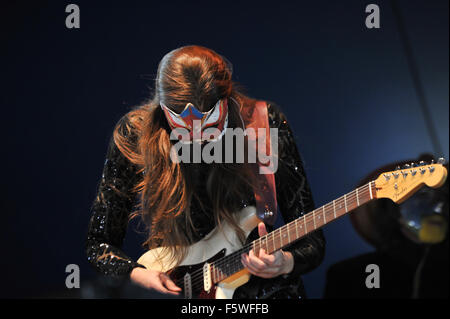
{"x":268,"y":265}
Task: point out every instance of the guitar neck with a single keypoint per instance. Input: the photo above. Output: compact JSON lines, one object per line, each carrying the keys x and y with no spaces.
{"x":315,"y":219}
{"x":295,"y":230}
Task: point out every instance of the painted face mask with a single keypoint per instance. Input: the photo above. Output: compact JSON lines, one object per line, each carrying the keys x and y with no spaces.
{"x":193,"y":125}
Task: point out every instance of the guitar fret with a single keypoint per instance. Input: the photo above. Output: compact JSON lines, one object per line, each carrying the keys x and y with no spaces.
{"x":289,"y":236}
{"x":357,"y":197}
{"x":324,"y":217}
{"x":304,"y":222}
{"x":281,"y":237}
{"x":261,"y":240}
{"x":370,"y":190}
{"x":296,"y":229}
{"x":314,"y":219}
{"x":345,"y":202}
{"x":334,"y":208}
{"x":273,"y":241}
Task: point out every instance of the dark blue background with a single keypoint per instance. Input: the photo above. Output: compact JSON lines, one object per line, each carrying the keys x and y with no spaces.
{"x":346,"y":90}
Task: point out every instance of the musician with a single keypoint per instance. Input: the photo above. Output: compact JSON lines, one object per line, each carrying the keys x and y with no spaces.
{"x":182,"y":203}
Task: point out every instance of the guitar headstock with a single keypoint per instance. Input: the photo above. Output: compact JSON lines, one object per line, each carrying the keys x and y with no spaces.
{"x":400,"y":184}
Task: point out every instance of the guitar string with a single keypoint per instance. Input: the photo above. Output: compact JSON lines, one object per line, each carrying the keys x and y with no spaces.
{"x":313,"y":214}
{"x":198,"y":284}
{"x":347,"y":199}
{"x":309,"y":217}
{"x":247,"y":247}
{"x":293,"y":226}
{"x":197,"y":280}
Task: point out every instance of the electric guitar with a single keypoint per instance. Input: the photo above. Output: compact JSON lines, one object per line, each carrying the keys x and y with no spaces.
{"x":212,"y":267}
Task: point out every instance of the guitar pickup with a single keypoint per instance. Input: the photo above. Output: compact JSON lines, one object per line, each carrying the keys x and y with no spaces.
{"x":207,"y":280}
{"x":187,"y":286}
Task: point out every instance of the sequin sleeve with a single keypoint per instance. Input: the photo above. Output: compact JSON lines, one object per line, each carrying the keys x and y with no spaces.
{"x":294,"y":194}
{"x":110,"y":214}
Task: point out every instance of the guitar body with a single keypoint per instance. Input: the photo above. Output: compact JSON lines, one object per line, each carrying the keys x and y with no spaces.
{"x":217,"y":244}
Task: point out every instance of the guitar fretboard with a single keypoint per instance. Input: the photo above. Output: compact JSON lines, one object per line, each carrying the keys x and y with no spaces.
{"x":300,"y":227}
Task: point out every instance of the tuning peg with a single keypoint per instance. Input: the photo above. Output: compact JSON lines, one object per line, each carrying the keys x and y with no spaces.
{"x":431,"y":168}
{"x":406,"y":166}
{"x":387,"y":176}
{"x":413,"y":164}
{"x":395,"y":175}
{"x":422,"y":170}
{"x":421,"y":163}
{"x":397,"y":168}
{"x":404,"y":174}
{"x":413,"y":172}
{"x":432,"y":161}
{"x":441,"y":160}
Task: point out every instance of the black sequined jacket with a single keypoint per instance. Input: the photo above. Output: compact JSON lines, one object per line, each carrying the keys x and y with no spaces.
{"x":115,"y":201}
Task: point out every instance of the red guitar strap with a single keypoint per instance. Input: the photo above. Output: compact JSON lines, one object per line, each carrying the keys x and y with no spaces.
{"x":264,"y":183}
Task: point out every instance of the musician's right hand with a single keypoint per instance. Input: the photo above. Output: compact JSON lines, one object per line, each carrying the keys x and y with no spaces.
{"x":152,"y":279}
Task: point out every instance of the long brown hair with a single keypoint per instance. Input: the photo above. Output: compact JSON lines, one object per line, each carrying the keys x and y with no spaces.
{"x":188,"y":74}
